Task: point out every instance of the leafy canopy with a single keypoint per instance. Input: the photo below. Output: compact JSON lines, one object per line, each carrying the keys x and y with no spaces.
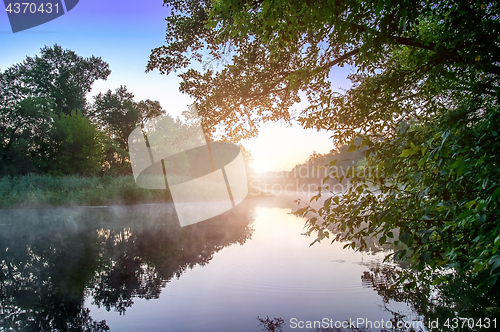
{"x":76,"y":146}
{"x":34,"y":95}
{"x":423,"y":106}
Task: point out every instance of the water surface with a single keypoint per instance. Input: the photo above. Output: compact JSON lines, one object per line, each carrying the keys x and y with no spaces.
{"x":130,"y":268}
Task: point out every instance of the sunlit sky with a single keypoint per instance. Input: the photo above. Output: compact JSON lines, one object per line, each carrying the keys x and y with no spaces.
{"x":123,"y":33}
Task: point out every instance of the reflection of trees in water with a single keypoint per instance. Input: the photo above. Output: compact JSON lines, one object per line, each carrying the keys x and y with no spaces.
{"x":43,"y":278}
{"x":440,"y":304}
{"x":51,"y":260}
{"x":458,"y":297}
{"x":275,"y":324}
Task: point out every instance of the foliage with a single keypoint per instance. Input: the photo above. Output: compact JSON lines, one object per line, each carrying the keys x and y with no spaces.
{"x":440,"y":193}
{"x":273,"y":49}
{"x":33,"y":95}
{"x":21,"y":128}
{"x":117,"y":114}
{"x":423,"y":105}
{"x":76,"y":147}
{"x":60,"y":76}
{"x":444,"y":302}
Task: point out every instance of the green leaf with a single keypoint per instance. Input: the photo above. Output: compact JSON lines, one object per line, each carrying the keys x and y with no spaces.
{"x":407,"y":153}
{"x":495,"y":194}
{"x":470,"y":204}
{"x":478,"y":267}
{"x":494,"y":262}
{"x":352,"y":148}
{"x":441,"y":208}
{"x":439,"y":280}
{"x":461,"y":169}
{"x":456,"y":164}
{"x":211,"y":24}
{"x":404,"y":237}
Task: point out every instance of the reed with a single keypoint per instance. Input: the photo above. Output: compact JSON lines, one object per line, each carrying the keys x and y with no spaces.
{"x":45,"y":190}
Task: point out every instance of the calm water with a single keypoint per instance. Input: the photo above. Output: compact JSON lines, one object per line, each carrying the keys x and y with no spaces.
{"x":133,"y":268}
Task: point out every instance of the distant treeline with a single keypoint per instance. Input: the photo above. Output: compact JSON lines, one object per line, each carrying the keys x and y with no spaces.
{"x":338,"y":165}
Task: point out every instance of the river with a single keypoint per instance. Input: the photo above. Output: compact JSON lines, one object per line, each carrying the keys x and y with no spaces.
{"x":132,"y":268}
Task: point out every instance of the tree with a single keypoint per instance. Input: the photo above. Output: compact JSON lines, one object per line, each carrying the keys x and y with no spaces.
{"x":423,"y":105}
{"x":76,"y":147}
{"x":33,"y":94}
{"x":22,"y":129}
{"x":117,"y":114}
{"x":58,"y":75}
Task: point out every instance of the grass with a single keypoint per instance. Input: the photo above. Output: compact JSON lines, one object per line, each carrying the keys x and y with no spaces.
{"x":45,"y":190}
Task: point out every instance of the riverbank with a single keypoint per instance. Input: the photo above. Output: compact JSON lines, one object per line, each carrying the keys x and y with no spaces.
{"x":73,"y":190}
{"x":35,"y":191}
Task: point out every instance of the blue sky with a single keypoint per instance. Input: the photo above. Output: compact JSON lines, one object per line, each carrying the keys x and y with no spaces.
{"x":123,"y":33}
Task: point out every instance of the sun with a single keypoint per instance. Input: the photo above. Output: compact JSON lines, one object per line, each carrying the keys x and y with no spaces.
{"x":259,"y":167}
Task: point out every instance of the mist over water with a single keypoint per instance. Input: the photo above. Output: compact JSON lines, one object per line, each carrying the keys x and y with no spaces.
{"x":132,"y":268}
